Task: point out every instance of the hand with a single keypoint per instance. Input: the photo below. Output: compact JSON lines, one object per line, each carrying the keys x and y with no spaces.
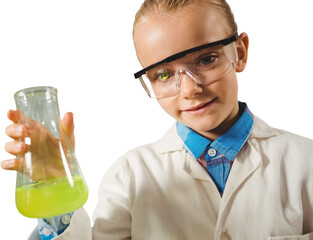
{"x":42,"y":158}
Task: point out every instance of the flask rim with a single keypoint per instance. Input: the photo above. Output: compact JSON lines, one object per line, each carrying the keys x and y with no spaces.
{"x":36,"y":92}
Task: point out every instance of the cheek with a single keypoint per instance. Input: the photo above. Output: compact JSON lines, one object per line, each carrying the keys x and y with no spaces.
{"x":227,"y":88}
{"x":169,"y":106}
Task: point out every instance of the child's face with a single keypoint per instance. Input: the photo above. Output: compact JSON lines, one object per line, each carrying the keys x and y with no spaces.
{"x":158,"y":37}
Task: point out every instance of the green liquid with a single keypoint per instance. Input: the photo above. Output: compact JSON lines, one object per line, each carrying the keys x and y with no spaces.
{"x":52,"y":197}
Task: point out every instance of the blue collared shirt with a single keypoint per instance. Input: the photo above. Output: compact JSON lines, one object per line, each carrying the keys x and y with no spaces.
{"x":217,"y":156}
{"x":50,"y":228}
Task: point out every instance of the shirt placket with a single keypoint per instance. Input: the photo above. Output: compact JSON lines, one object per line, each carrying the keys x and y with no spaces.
{"x":217,"y":166}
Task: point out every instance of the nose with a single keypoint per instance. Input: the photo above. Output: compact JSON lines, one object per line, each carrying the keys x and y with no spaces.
{"x":188,"y":85}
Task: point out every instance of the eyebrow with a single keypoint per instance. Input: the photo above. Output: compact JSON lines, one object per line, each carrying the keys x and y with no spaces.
{"x":176,"y":56}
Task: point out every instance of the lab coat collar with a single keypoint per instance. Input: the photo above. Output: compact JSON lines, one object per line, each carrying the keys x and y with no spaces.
{"x":262,"y":129}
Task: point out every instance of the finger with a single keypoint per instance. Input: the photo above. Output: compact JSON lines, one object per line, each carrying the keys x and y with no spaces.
{"x":19,"y":117}
{"x":16,"y":131}
{"x":67,"y":124}
{"x":13,"y":116}
{"x":11,"y":164}
{"x":16,"y":148}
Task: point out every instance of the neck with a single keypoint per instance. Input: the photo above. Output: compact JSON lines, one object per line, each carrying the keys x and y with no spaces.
{"x":224,"y":126}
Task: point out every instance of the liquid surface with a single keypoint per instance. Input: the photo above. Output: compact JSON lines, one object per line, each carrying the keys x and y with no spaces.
{"x":51,"y":197}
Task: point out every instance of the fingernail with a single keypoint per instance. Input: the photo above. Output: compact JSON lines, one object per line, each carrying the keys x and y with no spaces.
{"x":8,"y":163}
{"x":18,"y":146}
{"x":20,"y":129}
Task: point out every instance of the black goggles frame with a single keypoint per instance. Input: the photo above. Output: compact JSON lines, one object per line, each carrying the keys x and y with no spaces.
{"x":176,"y":56}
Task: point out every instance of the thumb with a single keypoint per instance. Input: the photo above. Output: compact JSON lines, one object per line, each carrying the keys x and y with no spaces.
{"x":67,"y":124}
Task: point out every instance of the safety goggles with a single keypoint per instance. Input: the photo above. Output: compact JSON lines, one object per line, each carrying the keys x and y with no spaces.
{"x":204,"y":64}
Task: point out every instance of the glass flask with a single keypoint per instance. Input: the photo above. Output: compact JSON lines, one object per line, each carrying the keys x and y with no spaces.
{"x":49,"y":181}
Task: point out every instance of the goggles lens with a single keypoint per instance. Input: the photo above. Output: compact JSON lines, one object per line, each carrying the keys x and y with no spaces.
{"x":204,"y":67}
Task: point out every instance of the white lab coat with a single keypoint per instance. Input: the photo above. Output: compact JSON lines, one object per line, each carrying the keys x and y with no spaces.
{"x":160,"y":192}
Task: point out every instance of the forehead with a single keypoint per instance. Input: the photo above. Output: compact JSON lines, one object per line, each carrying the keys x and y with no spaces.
{"x":157,"y":37}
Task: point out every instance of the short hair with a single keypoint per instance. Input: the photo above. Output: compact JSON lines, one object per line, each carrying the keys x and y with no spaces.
{"x":167,"y":6}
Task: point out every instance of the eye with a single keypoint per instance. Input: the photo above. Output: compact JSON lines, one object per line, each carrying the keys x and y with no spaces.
{"x":207,"y":60}
{"x":162,"y":75}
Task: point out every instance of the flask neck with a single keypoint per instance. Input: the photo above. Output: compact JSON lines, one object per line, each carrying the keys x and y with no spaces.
{"x":39,"y":104}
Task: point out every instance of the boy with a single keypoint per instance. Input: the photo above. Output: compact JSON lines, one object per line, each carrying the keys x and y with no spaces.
{"x":220,"y":172}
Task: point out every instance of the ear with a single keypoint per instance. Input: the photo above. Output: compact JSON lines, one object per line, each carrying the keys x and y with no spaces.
{"x":242,"y":45}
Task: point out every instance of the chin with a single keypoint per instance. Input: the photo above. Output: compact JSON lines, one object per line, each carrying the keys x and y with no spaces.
{"x":204,"y":125}
{"x":204,"y":129}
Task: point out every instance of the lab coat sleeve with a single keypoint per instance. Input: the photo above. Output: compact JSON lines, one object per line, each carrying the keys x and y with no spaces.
{"x":79,"y":228}
{"x":112,"y":217}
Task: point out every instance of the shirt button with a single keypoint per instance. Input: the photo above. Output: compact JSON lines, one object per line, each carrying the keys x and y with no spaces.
{"x":66,"y":219}
{"x":212,"y":152}
{"x":45,"y":232}
{"x":225,"y":236}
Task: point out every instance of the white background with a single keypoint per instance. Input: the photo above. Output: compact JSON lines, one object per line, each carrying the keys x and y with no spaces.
{"x":84,"y":48}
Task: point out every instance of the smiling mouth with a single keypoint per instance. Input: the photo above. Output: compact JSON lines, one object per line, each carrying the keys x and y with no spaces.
{"x":200,"y":106}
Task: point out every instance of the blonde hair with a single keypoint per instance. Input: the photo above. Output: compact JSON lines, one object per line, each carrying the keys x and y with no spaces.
{"x":167,"y":6}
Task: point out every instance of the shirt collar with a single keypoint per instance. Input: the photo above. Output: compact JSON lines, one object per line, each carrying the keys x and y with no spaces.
{"x":228,"y":144}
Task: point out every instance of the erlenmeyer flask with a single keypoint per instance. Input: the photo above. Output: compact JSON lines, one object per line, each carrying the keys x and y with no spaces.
{"x":49,"y":181}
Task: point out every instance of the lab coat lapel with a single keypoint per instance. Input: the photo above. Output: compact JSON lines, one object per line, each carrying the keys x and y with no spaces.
{"x":194,"y":169}
{"x":171,"y":142}
{"x":245,"y":164}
